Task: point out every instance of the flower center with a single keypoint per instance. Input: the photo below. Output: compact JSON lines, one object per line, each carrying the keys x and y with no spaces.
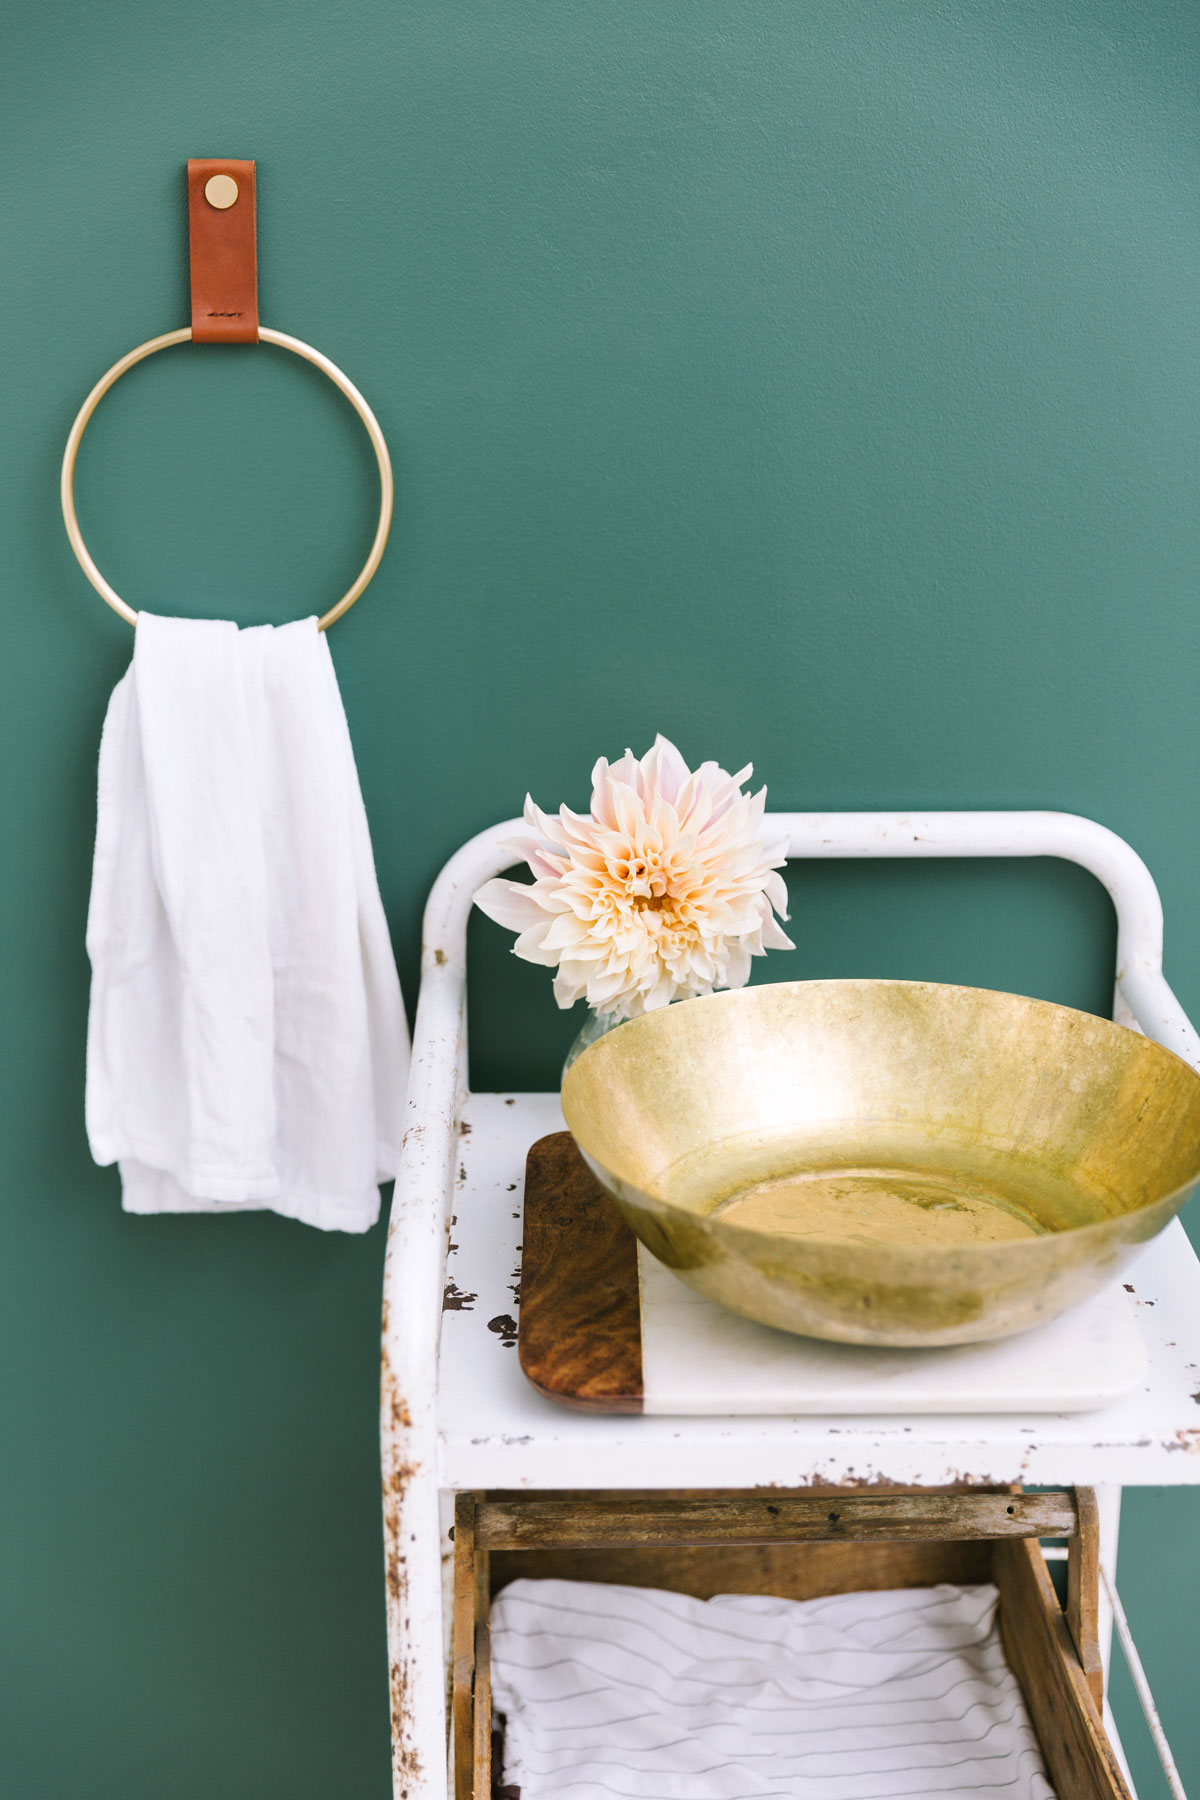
{"x":641,"y":885}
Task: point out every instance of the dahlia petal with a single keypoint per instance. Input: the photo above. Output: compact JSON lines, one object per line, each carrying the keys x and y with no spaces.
{"x":601,"y":803}
{"x":774,"y":937}
{"x":669,"y":769}
{"x":737,"y":969}
{"x":566,"y":931}
{"x":542,"y":858}
{"x":627,"y":807}
{"x":565,"y":993}
{"x":513,"y":904}
{"x":530,"y":947}
{"x":661,"y":994}
{"x":775,"y":890}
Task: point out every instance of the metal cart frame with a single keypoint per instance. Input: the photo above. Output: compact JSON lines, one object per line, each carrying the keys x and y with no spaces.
{"x":458,"y":1416}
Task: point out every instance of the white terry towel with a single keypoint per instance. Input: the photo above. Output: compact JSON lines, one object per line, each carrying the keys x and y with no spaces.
{"x":633,"y":1691}
{"x":247,"y":1044}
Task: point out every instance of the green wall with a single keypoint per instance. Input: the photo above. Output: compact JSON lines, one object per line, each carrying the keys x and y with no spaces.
{"x":816,"y":382}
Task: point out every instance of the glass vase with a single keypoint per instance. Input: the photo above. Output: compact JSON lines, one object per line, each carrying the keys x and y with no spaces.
{"x":595,"y":1026}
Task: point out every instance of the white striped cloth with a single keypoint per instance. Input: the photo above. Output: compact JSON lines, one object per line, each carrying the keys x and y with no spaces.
{"x":622,"y":1691}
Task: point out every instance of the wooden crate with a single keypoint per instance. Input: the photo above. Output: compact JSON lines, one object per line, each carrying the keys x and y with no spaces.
{"x":800,"y":1545}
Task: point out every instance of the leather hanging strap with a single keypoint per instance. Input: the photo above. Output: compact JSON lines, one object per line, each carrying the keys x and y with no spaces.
{"x":224,"y":255}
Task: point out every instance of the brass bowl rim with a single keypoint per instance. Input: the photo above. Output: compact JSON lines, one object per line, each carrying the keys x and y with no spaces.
{"x":730,"y":996}
{"x":896,"y":1256}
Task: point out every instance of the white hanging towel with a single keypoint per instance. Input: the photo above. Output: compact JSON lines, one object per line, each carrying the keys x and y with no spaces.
{"x":247,"y":1044}
{"x":895,"y":1695}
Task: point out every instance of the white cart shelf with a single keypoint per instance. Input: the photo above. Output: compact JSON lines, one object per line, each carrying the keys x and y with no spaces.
{"x":459,"y":1415}
{"x":495,"y":1430}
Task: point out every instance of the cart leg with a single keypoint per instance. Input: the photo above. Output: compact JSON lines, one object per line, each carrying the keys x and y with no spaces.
{"x":413,"y":1543}
{"x":1108,"y":1502}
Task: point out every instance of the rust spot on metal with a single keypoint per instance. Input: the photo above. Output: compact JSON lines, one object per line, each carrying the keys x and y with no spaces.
{"x":401,"y":1417}
{"x":394,"y":1562}
{"x":393,"y":1400}
{"x":1188,"y":1439}
{"x":505,"y":1328}
{"x":510,"y":1102}
{"x":393,"y":1494}
{"x":408,"y":1772}
{"x":462,"y":1171}
{"x":406,"y":1763}
{"x":464,"y":1128}
{"x":400,"y":1477}
{"x":455,"y":1300}
{"x":439,"y":957}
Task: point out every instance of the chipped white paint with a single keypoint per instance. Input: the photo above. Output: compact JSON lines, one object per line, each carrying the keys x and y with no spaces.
{"x":479,"y":1424}
{"x":412,"y":1295}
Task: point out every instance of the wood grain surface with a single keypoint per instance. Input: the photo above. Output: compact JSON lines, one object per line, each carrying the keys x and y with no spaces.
{"x":1057,"y":1689}
{"x":982,"y":1536}
{"x":621,"y":1520}
{"x":791,"y":1571}
{"x":464,"y":1648}
{"x":1083,"y":1591}
{"x":580,"y":1333}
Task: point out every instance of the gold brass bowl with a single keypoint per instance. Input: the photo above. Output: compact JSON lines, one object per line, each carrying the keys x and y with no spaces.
{"x":887,"y":1162}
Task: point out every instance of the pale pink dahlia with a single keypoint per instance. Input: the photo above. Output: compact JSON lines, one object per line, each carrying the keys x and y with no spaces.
{"x":663,"y":891}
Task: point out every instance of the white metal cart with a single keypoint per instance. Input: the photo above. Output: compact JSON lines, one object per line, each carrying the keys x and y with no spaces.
{"x":458,"y":1415}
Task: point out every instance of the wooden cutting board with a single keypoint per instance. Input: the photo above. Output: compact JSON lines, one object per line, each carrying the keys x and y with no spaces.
{"x":579,"y":1336}
{"x":605,"y":1327}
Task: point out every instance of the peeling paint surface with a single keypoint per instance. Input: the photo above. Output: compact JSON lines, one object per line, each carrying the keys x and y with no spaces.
{"x":496,"y":1431}
{"x":419,"y":1234}
{"x":407,"y":1767}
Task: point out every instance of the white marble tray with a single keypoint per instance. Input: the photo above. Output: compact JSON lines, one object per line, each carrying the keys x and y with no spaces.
{"x":698,"y":1358}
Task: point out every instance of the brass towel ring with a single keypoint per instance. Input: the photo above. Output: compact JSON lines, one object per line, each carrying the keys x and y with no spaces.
{"x":86,"y":562}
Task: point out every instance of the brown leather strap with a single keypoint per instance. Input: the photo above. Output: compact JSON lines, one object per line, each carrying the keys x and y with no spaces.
{"x":224,"y":253}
